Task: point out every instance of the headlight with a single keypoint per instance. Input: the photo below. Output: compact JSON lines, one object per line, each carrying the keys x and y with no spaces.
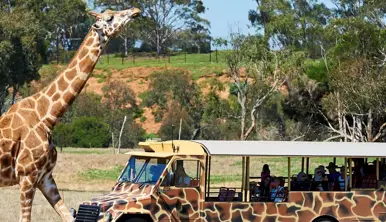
{"x":108,"y":216}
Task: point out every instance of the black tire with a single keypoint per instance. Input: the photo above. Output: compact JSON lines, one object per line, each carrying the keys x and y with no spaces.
{"x":325,"y":219}
{"x":134,"y":219}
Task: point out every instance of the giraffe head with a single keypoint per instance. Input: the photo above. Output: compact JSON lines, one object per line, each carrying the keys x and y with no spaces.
{"x":109,"y":23}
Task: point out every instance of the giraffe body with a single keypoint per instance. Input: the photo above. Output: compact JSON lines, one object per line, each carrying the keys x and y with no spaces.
{"x":27,"y":155}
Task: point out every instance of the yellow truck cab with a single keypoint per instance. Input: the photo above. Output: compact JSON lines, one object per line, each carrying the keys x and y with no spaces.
{"x":160,"y":184}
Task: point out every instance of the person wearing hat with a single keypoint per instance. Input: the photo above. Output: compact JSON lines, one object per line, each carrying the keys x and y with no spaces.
{"x":319,"y":182}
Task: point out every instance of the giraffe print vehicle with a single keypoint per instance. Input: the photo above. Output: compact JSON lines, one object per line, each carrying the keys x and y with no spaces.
{"x":159,"y":199}
{"x":27,"y":155}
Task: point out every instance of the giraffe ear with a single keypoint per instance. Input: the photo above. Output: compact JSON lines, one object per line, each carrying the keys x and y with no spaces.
{"x":95,"y":14}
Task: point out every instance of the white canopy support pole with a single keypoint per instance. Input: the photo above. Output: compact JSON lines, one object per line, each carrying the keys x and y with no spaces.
{"x":243,"y":179}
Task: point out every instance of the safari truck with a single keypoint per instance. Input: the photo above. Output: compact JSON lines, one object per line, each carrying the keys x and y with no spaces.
{"x":171,"y":181}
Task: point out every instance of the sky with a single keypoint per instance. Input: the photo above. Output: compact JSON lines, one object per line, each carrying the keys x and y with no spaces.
{"x":232,"y":13}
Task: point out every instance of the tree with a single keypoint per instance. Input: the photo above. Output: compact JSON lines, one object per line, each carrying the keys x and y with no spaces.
{"x":172,"y":119}
{"x":164,"y":18}
{"x":252,"y":53}
{"x":19,"y":62}
{"x":292,"y":23}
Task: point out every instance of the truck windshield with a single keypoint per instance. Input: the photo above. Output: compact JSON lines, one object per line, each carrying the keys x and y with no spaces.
{"x":143,"y":170}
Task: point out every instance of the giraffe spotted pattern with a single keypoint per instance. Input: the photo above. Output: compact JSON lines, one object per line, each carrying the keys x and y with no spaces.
{"x":27,"y":155}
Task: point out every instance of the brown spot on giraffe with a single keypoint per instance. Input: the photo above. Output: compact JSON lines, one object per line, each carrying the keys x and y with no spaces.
{"x":83,"y":53}
{"x":27,"y":104}
{"x":62,"y":84}
{"x":57,"y":109}
{"x":51,"y":90}
{"x":16,"y":122}
{"x":56,"y":97}
{"x":86,"y":65}
{"x":89,"y":42}
{"x":77,"y":84}
{"x":42,"y":106}
{"x":5,"y":122}
{"x":70,"y":74}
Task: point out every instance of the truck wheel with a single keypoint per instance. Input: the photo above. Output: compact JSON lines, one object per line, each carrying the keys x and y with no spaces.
{"x":134,"y":219}
{"x":325,"y":219}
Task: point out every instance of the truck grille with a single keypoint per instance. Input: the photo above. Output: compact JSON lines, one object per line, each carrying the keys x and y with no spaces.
{"x":87,"y":213}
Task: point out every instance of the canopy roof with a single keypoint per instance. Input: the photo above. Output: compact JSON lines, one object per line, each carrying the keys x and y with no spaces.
{"x":293,"y":148}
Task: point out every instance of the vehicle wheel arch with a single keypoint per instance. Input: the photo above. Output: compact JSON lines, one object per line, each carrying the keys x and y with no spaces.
{"x":325,"y":218}
{"x":135,"y":218}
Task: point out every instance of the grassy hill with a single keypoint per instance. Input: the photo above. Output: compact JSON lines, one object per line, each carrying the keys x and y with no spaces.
{"x":135,"y":73}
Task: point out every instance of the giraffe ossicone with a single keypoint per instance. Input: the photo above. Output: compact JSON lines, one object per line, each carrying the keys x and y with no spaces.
{"x":27,"y":155}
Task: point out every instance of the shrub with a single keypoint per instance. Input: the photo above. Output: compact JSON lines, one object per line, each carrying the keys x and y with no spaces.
{"x":83,"y":132}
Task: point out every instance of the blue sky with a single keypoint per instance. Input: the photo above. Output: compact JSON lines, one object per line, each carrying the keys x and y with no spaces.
{"x":222,"y":13}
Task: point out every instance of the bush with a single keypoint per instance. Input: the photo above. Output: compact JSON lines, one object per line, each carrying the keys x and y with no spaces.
{"x":83,"y":132}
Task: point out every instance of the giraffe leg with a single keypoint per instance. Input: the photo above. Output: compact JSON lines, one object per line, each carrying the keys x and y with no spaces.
{"x":49,"y":189}
{"x":27,"y":194}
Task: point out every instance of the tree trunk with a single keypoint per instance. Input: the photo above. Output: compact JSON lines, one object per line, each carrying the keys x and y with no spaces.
{"x":14,"y":93}
{"x":126,"y":47}
{"x":243,"y":117}
{"x":57,"y":45}
{"x":120,"y":134}
{"x":158,"y":45}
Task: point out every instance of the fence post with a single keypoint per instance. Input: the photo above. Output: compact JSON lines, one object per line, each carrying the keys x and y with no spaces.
{"x":108,"y":59}
{"x":185,"y":56}
{"x":216,"y":55}
{"x":210,"y":55}
{"x":133,"y":58}
{"x":122,"y":59}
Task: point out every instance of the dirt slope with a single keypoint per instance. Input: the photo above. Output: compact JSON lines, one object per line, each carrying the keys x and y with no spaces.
{"x":138,"y":79}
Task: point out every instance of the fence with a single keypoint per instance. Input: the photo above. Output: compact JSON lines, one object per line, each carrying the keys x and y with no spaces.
{"x":169,"y":57}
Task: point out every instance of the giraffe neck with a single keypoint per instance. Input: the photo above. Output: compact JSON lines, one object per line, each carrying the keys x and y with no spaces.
{"x":61,"y":93}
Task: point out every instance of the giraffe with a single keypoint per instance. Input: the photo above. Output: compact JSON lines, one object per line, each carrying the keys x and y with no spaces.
{"x":27,"y":155}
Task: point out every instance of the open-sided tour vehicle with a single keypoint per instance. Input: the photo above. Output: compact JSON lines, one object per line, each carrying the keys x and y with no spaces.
{"x":171,"y":181}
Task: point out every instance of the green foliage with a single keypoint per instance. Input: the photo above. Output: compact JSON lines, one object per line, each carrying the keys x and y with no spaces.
{"x":98,"y":174}
{"x":83,"y":132}
{"x":174,"y":85}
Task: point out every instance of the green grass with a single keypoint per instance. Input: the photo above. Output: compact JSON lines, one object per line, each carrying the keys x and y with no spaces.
{"x":97,"y":174}
{"x":217,"y":179}
{"x":197,"y":64}
{"x":90,"y":150}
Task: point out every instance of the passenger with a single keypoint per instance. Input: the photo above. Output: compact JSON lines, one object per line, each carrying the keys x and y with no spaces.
{"x":265,"y":172}
{"x":301,"y":177}
{"x":265,"y":188}
{"x":320,"y":179}
{"x":334,"y":175}
{"x":301,"y":183}
{"x":341,"y":178}
{"x":277,"y":191}
{"x":181,"y":178}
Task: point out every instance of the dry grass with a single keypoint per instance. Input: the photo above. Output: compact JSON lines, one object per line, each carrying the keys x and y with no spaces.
{"x":41,"y":210}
